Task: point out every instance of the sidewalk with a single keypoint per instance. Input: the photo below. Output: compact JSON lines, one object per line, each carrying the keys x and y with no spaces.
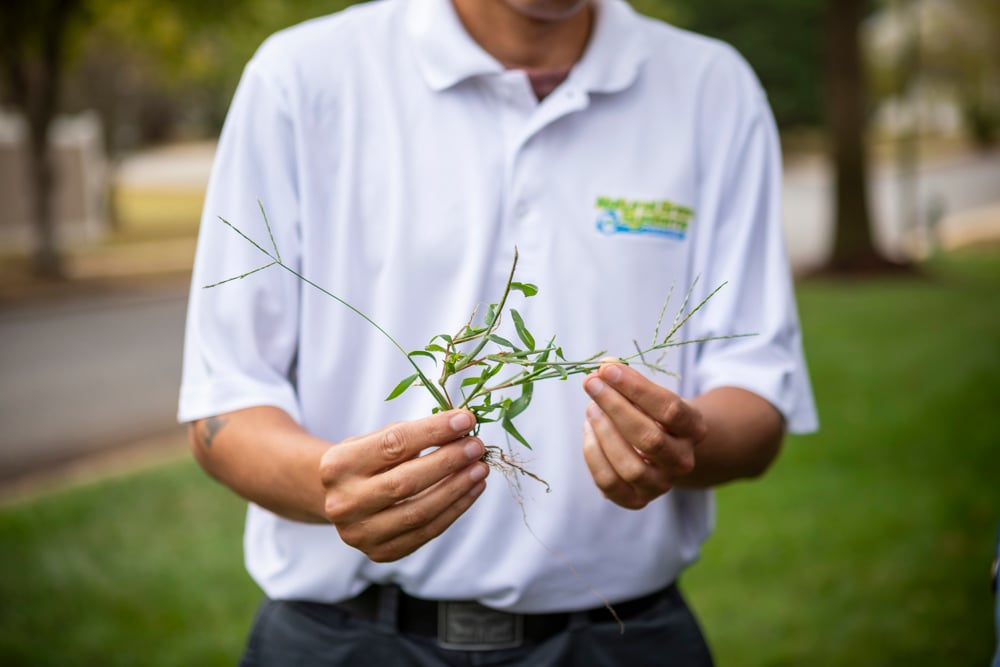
{"x":968,"y":228}
{"x":99,"y":270}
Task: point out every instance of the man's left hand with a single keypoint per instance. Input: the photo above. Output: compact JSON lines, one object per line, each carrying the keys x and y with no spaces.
{"x":638,"y":437}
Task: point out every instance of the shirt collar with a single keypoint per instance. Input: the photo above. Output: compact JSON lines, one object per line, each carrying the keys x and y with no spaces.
{"x":447,"y":55}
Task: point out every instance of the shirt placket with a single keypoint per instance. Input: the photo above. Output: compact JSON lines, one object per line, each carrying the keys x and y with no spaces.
{"x":528,"y":165}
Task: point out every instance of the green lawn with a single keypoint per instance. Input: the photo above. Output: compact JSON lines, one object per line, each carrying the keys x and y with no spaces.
{"x":870,"y":543}
{"x":867,"y":544}
{"x":141,"y":570}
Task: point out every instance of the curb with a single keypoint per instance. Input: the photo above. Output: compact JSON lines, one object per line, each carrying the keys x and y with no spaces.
{"x":96,"y":467}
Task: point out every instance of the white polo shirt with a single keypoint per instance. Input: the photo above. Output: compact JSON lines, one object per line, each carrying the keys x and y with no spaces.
{"x":400,"y":165}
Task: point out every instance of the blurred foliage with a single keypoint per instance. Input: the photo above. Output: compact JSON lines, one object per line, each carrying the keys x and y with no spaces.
{"x":24,"y":27}
{"x":154,"y":69}
{"x":158,"y":68}
{"x":782,"y":39}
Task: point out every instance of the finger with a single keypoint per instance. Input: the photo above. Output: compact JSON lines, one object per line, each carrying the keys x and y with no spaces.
{"x":676,"y":415}
{"x":372,"y":453}
{"x":636,"y":427}
{"x":406,"y":526}
{"x":355,"y":497}
{"x":604,"y":474}
{"x":645,"y":480}
{"x":672,"y":454}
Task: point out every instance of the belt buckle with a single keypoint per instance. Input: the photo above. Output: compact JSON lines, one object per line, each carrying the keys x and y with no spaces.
{"x":469,"y":626}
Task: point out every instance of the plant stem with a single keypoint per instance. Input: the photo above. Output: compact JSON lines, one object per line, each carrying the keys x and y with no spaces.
{"x":533,"y":364}
{"x":442,"y":402}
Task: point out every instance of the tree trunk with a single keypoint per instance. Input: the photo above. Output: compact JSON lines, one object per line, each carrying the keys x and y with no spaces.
{"x":32,"y":56}
{"x":47,"y":258}
{"x":853,"y":249}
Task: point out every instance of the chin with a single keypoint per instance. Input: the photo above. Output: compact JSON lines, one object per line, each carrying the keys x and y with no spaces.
{"x":547,"y":10}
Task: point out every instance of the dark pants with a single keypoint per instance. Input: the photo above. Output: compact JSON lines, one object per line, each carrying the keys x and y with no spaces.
{"x":298,"y":634}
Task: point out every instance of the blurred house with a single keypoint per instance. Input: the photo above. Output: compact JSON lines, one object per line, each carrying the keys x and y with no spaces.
{"x":81,"y":181}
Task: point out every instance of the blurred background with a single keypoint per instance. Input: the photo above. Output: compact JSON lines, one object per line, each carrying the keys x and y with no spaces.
{"x":867,"y":544}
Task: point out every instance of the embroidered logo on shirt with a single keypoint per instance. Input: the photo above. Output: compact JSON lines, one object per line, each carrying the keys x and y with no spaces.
{"x":623,"y":216}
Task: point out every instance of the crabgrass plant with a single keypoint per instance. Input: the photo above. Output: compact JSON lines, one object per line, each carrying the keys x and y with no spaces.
{"x":495,"y":375}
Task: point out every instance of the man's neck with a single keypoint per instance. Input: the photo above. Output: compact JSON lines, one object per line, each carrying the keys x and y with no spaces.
{"x":521,"y":41}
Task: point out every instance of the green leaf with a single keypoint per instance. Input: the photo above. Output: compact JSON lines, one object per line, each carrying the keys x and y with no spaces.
{"x":517,"y":407}
{"x":527,"y":289}
{"x":522,"y":331}
{"x":402,"y":386}
{"x":422,"y":353}
{"x":434,"y":347}
{"x":491,"y":315}
{"x":490,"y":372}
{"x":461,"y":361}
{"x":469,"y":333}
{"x":508,"y":426}
{"x":487,"y":409}
{"x":484,"y":411}
{"x":500,"y":340}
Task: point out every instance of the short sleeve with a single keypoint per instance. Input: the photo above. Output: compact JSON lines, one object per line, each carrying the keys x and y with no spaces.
{"x":741,"y":245}
{"x":241,"y":336}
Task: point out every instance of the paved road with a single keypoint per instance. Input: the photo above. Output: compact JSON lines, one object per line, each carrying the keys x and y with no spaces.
{"x":87,"y":374}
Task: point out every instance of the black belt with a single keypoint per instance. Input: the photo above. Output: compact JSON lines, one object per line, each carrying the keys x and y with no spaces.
{"x":469,"y":625}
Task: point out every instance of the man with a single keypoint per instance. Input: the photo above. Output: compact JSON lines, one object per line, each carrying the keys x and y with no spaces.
{"x":402,"y":150}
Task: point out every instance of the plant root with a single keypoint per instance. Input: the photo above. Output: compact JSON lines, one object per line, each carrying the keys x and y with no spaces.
{"x":505,"y":462}
{"x":498,"y":459}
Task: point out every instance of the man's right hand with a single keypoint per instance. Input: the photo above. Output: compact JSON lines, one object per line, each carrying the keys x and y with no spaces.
{"x":388,"y":501}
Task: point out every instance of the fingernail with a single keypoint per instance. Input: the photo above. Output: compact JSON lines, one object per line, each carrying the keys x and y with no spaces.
{"x":478,"y":472}
{"x":593,"y":386}
{"x":474,"y":450}
{"x":462,"y":422}
{"x":588,"y":430}
{"x":477,"y":489}
{"x":612,"y":373}
{"x":593,"y":412}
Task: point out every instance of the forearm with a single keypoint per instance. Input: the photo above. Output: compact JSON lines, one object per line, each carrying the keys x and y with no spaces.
{"x":743,"y":437}
{"x":263,"y":455}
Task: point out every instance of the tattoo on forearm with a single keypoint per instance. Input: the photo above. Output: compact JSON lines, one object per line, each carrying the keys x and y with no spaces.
{"x":210,"y":428}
